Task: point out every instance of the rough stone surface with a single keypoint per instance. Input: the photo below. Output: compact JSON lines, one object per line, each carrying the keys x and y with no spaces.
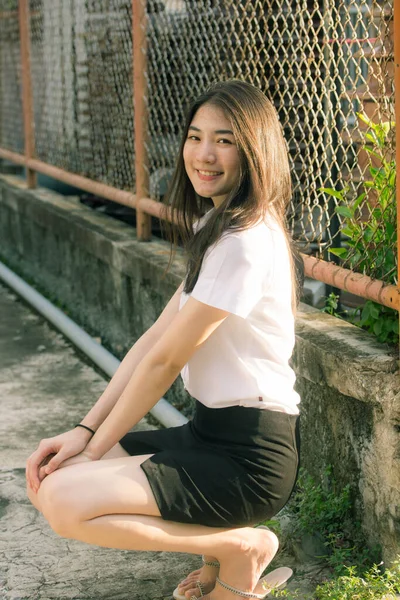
{"x":113,"y":286}
{"x":350,"y":390}
{"x":90,"y":265}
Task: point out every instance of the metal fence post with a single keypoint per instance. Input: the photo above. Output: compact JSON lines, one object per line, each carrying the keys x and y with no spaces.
{"x":397,"y":119}
{"x":139,"y":46}
{"x":27,"y":101}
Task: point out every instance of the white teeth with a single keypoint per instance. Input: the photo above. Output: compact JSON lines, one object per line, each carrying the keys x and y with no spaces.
{"x":210,"y":172}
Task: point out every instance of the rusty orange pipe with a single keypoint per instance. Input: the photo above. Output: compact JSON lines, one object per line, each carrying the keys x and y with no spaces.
{"x":139,"y":60}
{"x":330,"y":273}
{"x":355,"y":283}
{"x":27,"y":101}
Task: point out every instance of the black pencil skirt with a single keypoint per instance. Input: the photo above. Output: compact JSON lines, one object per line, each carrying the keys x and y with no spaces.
{"x":228,"y":467}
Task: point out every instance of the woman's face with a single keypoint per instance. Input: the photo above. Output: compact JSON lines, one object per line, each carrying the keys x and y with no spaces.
{"x":210,"y":154}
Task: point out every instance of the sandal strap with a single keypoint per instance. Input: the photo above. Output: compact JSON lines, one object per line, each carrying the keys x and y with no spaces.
{"x":239,"y":592}
{"x":209,"y":563}
{"x":200,"y":587}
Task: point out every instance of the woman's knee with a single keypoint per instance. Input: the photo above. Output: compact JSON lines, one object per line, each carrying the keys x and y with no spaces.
{"x":56,"y":499}
{"x":33,"y":498}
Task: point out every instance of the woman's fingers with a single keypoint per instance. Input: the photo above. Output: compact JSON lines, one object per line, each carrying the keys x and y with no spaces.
{"x":42,"y":473}
{"x":56,"y":461}
{"x":33,"y":463}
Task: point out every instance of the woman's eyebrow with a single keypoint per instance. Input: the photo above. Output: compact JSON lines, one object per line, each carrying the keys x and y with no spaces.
{"x":219,"y":131}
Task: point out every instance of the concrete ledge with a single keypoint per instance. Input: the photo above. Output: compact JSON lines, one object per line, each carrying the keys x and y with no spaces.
{"x":114,"y":287}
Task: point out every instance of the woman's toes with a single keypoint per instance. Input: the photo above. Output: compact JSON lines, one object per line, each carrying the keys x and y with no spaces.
{"x":191,"y":577}
{"x":194,"y":590}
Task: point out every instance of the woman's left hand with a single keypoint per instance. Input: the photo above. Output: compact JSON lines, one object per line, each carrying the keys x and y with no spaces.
{"x":82,"y":457}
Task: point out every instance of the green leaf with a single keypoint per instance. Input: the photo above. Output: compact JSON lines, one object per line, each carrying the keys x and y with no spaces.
{"x":365,"y":119}
{"x":339,"y":194}
{"x":371,"y":137}
{"x":390,"y":229}
{"x":378,"y":175}
{"x":374,"y":312}
{"x":358,"y":201}
{"x":344,"y":211}
{"x":341,"y":252}
{"x":348,"y":231}
{"x":373,"y":153}
{"x":387,"y":126}
{"x":377,"y":328}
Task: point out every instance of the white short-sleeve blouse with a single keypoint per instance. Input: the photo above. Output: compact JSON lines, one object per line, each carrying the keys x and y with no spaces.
{"x":245,"y":361}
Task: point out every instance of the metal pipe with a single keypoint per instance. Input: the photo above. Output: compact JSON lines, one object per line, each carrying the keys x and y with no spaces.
{"x":139,"y":60}
{"x":94,"y":187}
{"x":355,"y":283}
{"x":19,"y":159}
{"x":330,"y":273}
{"x":166,"y":414}
{"x":27,"y":101}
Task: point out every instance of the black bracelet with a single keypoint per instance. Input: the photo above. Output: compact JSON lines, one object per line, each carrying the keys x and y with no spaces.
{"x":86,"y":427}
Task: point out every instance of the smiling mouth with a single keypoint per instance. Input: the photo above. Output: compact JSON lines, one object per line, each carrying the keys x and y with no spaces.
{"x":209,"y":173}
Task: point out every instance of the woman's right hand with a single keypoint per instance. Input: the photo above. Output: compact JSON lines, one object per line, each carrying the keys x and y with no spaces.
{"x":52,"y":452}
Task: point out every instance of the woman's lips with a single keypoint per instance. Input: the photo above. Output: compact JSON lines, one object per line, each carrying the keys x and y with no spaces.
{"x":205,"y":175}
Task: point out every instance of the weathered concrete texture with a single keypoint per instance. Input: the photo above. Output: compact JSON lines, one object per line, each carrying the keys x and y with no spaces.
{"x":350,"y":389}
{"x":45,"y":388}
{"x":90,"y":264}
{"x":113,"y":285}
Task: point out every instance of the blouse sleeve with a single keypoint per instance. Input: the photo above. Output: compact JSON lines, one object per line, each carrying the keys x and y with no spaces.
{"x":230,"y":278}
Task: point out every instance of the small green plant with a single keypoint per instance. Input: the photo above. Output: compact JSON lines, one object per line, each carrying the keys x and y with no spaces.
{"x":371,"y":244}
{"x":381,"y":321}
{"x":317,"y":508}
{"x":326,"y":511}
{"x":372,"y":585}
{"x":331,"y":305}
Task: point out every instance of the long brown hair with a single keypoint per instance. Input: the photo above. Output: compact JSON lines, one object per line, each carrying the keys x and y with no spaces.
{"x":263,"y":185}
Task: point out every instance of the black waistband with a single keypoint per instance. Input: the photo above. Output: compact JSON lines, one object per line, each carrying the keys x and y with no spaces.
{"x":241,"y":423}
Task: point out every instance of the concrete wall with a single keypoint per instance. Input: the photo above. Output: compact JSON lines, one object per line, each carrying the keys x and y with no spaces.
{"x":113,"y":286}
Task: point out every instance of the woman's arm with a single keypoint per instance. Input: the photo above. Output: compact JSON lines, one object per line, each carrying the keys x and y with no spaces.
{"x":71,"y":443}
{"x":145,"y":343}
{"x":157,"y":371}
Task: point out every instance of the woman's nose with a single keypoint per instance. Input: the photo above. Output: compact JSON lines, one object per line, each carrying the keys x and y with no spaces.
{"x":205,"y":153}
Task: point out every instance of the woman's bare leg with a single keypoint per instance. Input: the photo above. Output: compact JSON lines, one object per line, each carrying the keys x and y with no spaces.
{"x":206,"y":575}
{"x":110,"y":503}
{"x":116,"y":451}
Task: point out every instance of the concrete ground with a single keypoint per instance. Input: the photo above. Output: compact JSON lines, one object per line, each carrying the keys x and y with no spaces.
{"x":45,"y":388}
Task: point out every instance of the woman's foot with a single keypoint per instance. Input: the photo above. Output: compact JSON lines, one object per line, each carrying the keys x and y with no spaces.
{"x":206,"y":576}
{"x":243,"y":559}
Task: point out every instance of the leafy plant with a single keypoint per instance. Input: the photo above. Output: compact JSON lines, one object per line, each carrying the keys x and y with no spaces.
{"x":381,"y":321}
{"x":373,"y":585}
{"x":326,"y":510}
{"x":317,"y":508}
{"x":331,"y":305}
{"x":371,"y":244}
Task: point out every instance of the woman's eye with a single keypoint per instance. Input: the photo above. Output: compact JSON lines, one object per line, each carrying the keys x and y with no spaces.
{"x":224,"y":141}
{"x":192,"y":137}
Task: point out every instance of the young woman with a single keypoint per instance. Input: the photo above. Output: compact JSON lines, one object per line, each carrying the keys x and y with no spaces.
{"x":229,"y":331}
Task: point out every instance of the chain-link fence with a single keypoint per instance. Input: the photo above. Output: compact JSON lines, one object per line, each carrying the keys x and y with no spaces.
{"x":11,"y":122}
{"x":327,"y":65}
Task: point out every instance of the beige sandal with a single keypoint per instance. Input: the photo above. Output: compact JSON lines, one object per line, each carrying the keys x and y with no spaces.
{"x":276,"y":580}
